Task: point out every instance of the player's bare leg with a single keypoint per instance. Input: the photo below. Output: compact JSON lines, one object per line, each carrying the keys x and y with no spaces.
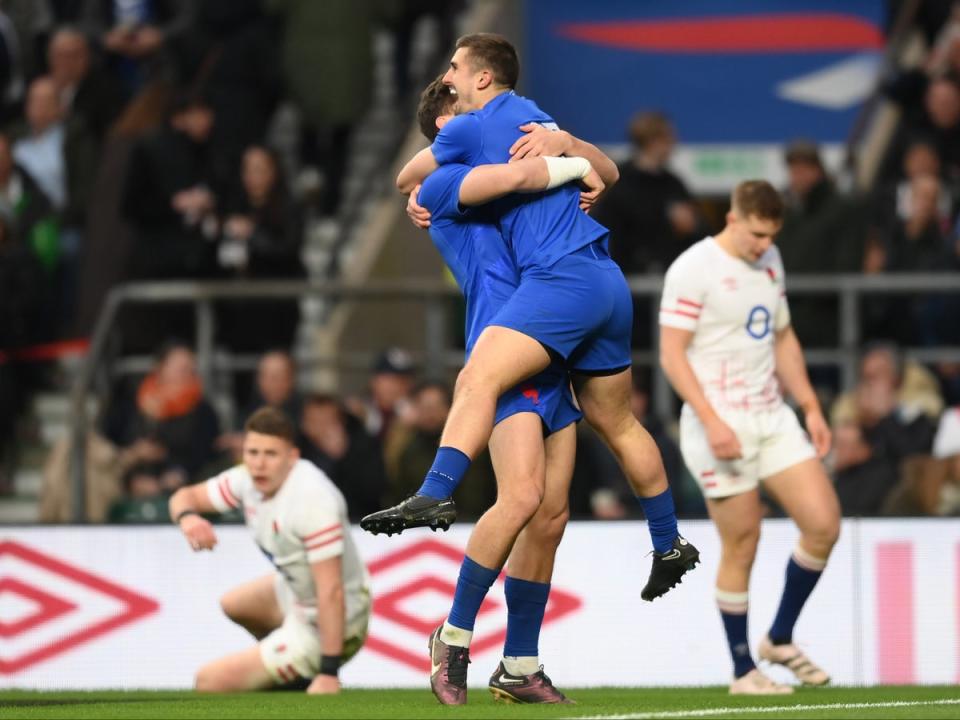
{"x":500,"y":359}
{"x":605,"y":402}
{"x":517,"y":451}
{"x":239,"y":672}
{"x":520,"y":677}
{"x":254,"y":606}
{"x":737,"y":519}
{"x":807,"y":495}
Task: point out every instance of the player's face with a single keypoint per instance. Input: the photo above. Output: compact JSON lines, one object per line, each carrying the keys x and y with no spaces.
{"x":462,"y":78}
{"x":753,"y":236}
{"x":269,"y":460}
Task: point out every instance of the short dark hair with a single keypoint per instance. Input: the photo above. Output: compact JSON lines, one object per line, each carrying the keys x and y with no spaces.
{"x":271,"y":421}
{"x":758,"y":198}
{"x":645,"y":127}
{"x":435,"y":100}
{"x":489,"y":51}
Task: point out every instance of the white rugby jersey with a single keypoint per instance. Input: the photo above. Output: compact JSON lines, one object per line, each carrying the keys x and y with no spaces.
{"x":733,"y":309}
{"x":304,"y":522}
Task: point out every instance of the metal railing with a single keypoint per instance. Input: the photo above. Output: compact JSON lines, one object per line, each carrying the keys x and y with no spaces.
{"x":438,"y":355}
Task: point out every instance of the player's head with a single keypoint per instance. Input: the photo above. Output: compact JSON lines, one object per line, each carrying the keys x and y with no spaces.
{"x":269,"y":452}
{"x":483,"y":65}
{"x":755,"y":218}
{"x":437,"y":105}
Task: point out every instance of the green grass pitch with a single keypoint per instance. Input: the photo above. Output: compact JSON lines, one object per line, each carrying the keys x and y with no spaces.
{"x":611,"y":703}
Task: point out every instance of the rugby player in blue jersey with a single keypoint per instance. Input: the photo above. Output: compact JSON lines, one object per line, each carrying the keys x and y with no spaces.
{"x":572,"y":303}
{"x":534,"y":439}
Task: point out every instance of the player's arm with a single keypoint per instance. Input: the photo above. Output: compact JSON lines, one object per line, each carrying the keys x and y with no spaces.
{"x":186,"y":505}
{"x":535,"y":174}
{"x":792,"y":372}
{"x":416,"y":170}
{"x":673,"y":359}
{"x":331,"y":611}
{"x":539,"y":141}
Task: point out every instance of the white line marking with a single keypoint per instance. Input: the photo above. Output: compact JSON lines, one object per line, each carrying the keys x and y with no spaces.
{"x":710,"y":712}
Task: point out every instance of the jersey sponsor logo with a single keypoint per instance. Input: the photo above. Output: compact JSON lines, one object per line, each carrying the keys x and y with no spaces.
{"x":758,"y":322}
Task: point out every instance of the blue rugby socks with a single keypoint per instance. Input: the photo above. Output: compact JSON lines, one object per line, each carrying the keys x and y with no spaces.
{"x":526,"y":604}
{"x":733,"y":611}
{"x":803,"y":572}
{"x":472,"y":587}
{"x":661,"y":519}
{"x":443,"y":477}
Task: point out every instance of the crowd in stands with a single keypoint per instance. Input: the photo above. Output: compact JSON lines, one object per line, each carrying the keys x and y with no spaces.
{"x":138,"y":132}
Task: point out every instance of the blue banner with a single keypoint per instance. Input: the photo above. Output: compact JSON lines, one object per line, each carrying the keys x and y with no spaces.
{"x":725,"y":71}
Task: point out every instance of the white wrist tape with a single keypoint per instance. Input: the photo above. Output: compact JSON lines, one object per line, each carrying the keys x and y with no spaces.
{"x":566,"y":169}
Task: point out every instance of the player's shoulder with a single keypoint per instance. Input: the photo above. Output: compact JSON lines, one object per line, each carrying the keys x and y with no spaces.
{"x":309,"y":480}
{"x":694,"y":257}
{"x":238,"y":474}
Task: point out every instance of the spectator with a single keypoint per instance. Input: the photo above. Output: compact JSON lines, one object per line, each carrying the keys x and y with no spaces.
{"x":882,"y":425}
{"x":169,"y":423}
{"x":335,"y":442}
{"x":883,"y":371}
{"x":275,"y":386}
{"x":168,"y":198}
{"x":146,"y":493}
{"x":946,"y":451}
{"x":61,"y":158}
{"x":650,"y":213}
{"x":133,"y":34}
{"x":11,"y":67}
{"x":29,"y":211}
{"x":85,"y":90}
{"x":823,"y":232}
{"x":932,"y":109}
{"x":919,"y":241}
{"x":863,"y":478}
{"x":390,"y":385}
{"x":261,"y":237}
{"x":416,"y":446}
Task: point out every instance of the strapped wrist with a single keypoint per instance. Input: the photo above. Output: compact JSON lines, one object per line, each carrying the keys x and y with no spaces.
{"x":562,"y":170}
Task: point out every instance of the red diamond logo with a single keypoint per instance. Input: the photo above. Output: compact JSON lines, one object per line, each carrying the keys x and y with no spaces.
{"x":44,"y":606}
{"x":398,"y":603}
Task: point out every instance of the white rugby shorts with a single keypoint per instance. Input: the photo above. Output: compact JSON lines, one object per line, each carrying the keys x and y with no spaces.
{"x":771,"y":441}
{"x":293,"y":650}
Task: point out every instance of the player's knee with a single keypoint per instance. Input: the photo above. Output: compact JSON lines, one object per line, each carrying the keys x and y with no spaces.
{"x":822,"y":535}
{"x":548,"y":527}
{"x":230,"y":606}
{"x":474,"y":380}
{"x":520,"y":503}
{"x":741,"y":548}
{"x":208,"y":680}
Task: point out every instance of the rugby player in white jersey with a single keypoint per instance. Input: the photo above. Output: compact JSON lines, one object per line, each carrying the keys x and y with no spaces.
{"x":311,"y":615}
{"x":727,"y":346}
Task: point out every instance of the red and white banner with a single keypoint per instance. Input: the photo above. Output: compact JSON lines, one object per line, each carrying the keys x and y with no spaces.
{"x":134,"y":608}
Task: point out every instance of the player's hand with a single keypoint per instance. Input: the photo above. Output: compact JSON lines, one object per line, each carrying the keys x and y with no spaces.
{"x":418,"y":214}
{"x":724,"y":443}
{"x":324,"y":685}
{"x":539,"y":141}
{"x":594,"y":187}
{"x":199,"y":532}
{"x":819,"y":432}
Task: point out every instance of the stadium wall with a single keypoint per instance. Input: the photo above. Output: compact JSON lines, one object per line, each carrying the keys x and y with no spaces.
{"x":104,"y":607}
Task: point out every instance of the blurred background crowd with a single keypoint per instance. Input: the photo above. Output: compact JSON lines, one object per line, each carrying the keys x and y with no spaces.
{"x":215,"y":140}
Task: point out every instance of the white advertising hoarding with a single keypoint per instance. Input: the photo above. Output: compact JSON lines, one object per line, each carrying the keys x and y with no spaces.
{"x":108,"y":607}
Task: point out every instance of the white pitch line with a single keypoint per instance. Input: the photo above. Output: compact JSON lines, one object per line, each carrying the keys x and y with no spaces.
{"x":710,"y":712}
